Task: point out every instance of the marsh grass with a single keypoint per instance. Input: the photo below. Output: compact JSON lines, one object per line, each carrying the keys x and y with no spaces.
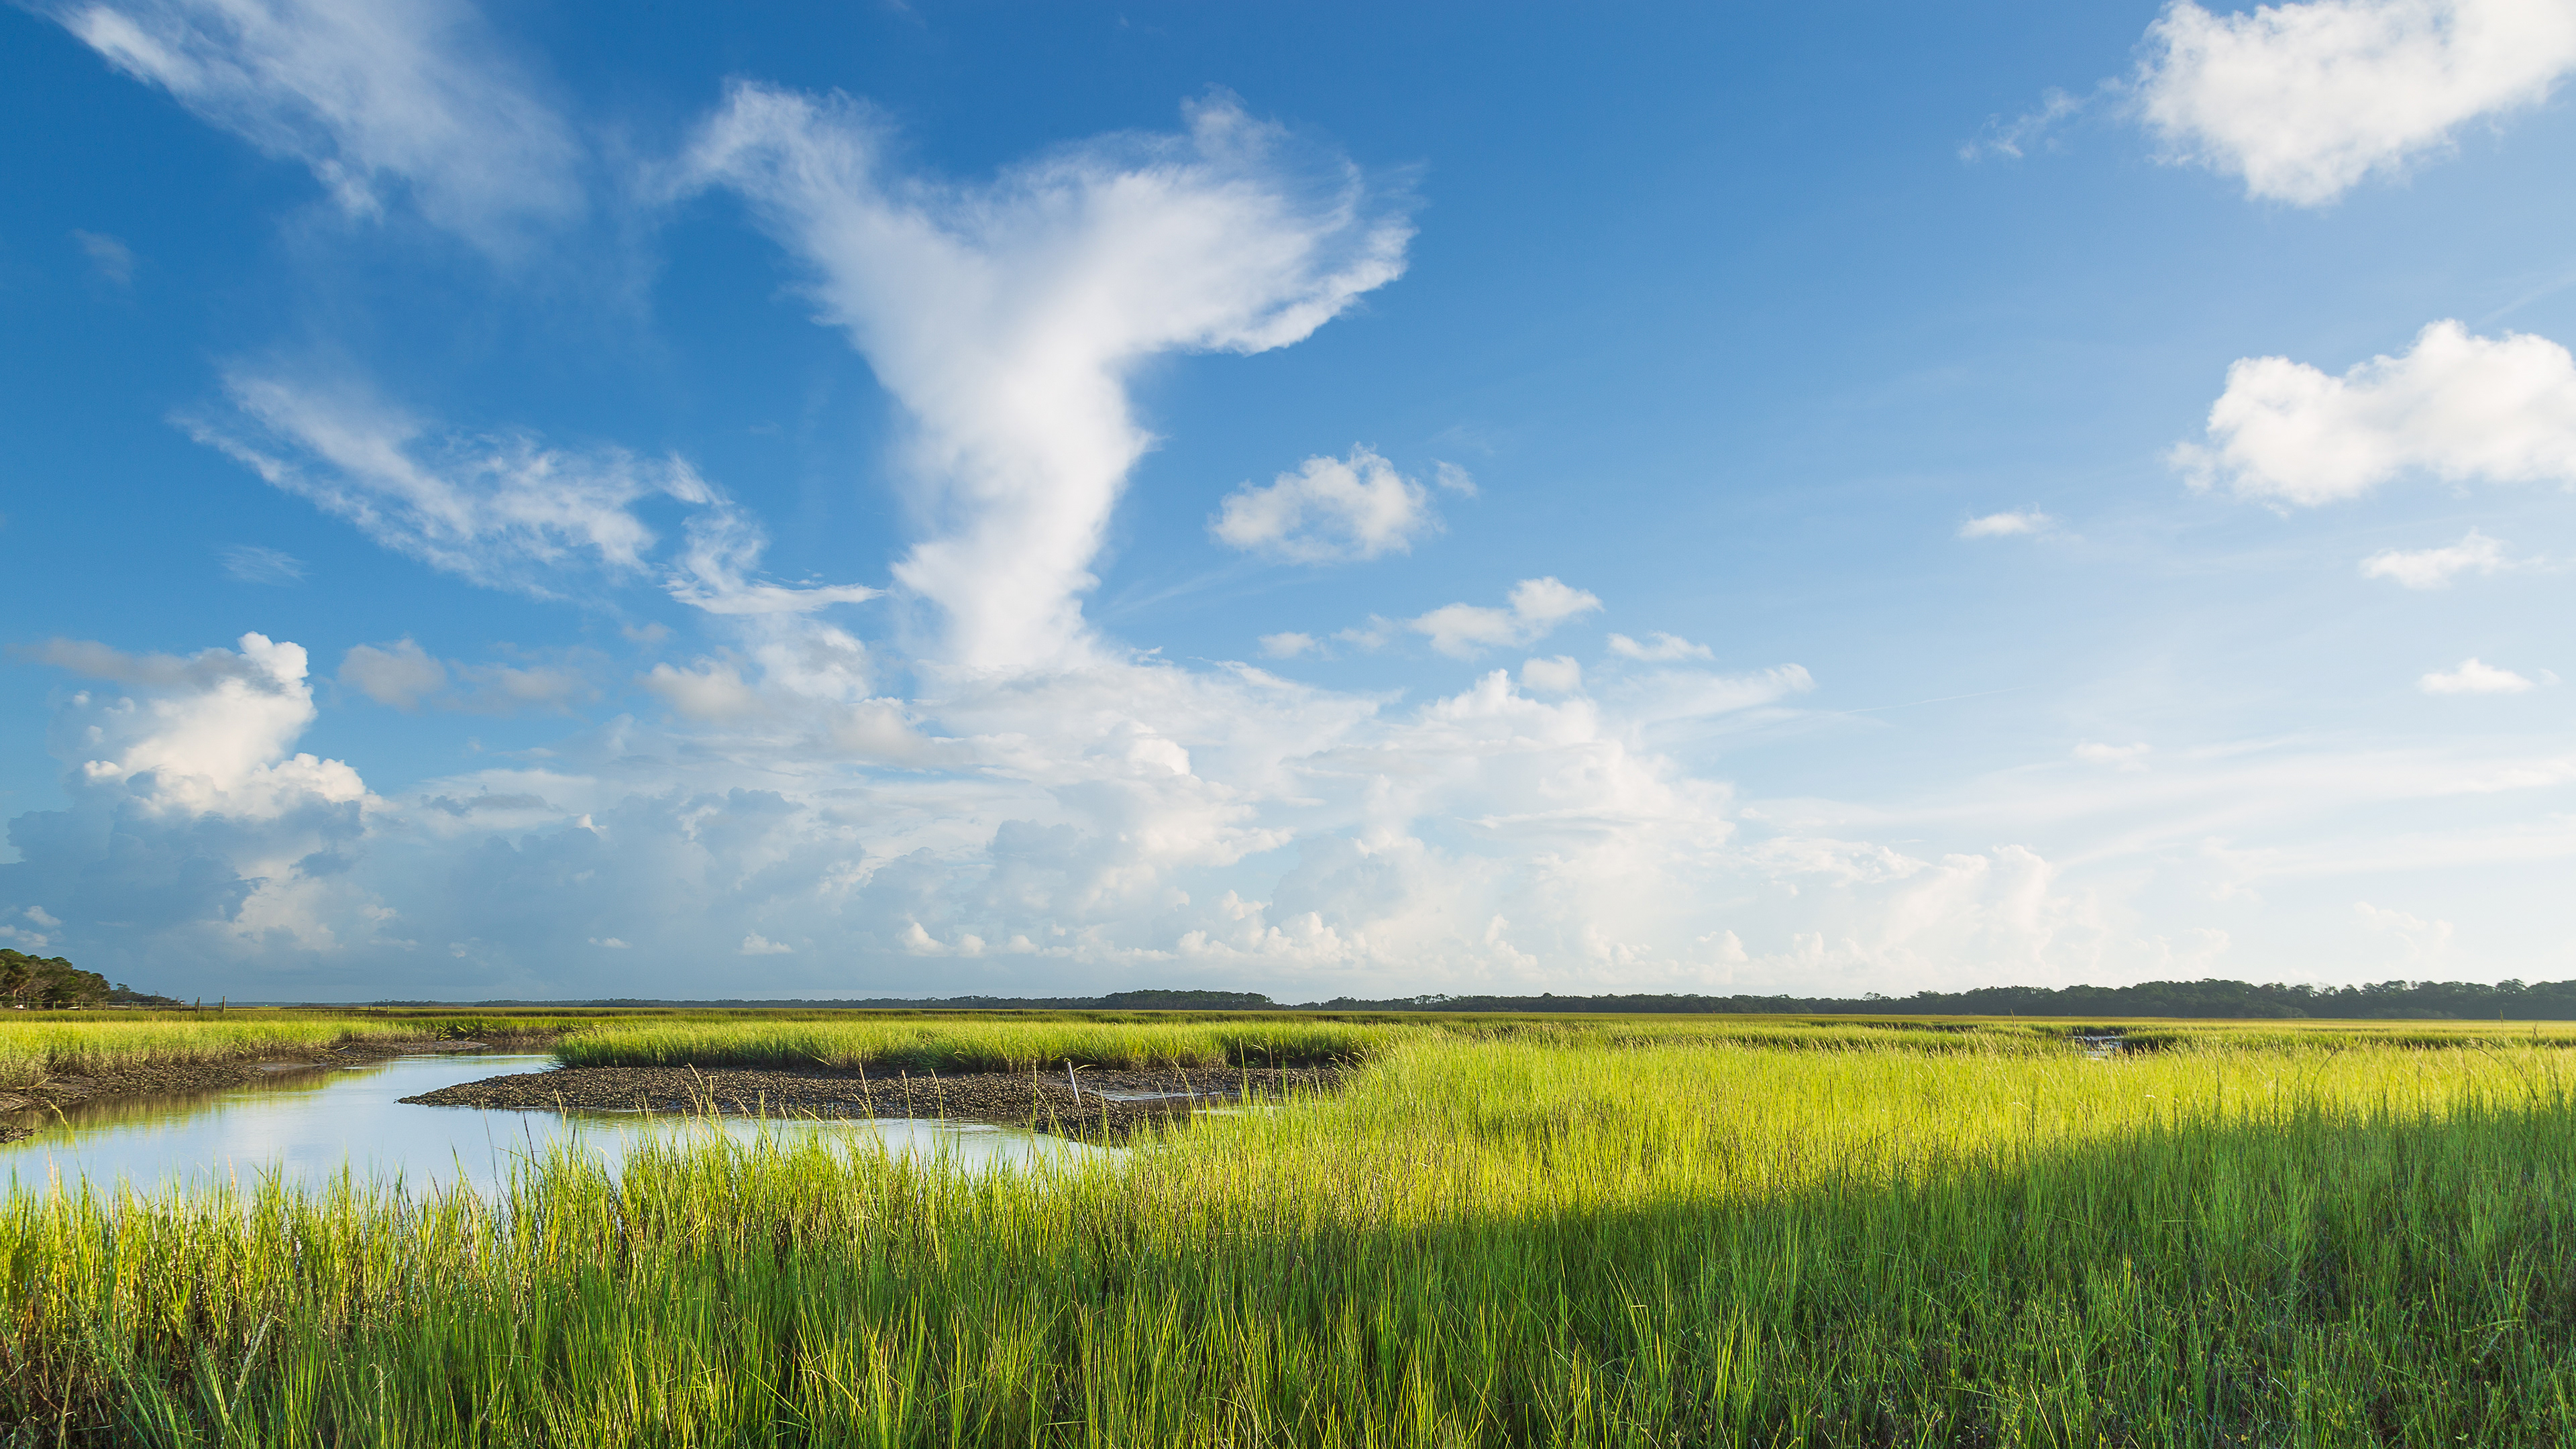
{"x":1538,"y":1238}
{"x":37,"y":1046}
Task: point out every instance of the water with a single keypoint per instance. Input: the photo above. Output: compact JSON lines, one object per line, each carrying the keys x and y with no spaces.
{"x":306,"y":1125}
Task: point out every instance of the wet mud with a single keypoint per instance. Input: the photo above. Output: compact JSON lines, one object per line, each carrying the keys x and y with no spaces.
{"x":1107,"y":1105}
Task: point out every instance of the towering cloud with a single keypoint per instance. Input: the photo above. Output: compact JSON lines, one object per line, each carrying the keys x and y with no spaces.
{"x":1006,"y":315}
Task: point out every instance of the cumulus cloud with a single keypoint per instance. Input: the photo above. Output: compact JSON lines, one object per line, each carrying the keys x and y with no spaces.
{"x":2007,"y":525}
{"x":211,"y":734}
{"x":2303,"y":101}
{"x":711,"y":692}
{"x":2474,"y":677}
{"x":373,"y":96}
{"x":401,"y":674}
{"x":2434,"y":568}
{"x":756,"y":944}
{"x":1287,"y":645}
{"x":1560,"y":675}
{"x":2456,"y":407}
{"x":1658,"y":648}
{"x":1330,"y":509}
{"x":1536,"y":607}
{"x":194,"y":827}
{"x":1006,"y":315}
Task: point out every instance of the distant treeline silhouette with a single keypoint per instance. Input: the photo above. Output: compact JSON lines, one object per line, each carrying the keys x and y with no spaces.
{"x":2419,"y":1000}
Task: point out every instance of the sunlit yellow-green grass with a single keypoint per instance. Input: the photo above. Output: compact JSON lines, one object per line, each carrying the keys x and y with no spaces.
{"x":1025,"y":1042}
{"x":1544,"y":1238}
{"x":35,"y":1046}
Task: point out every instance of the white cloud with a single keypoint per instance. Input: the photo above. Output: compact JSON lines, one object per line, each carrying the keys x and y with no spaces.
{"x":2129,"y":758}
{"x":2473,"y":677}
{"x":1005,"y":317}
{"x":1287,"y":645}
{"x":505,"y":689}
{"x":1451,"y":478}
{"x":2007,"y":525}
{"x":2013,"y":138}
{"x":503,"y":510}
{"x":2305,"y":100}
{"x":366,"y":93}
{"x":1537,"y":607}
{"x":211,"y":734}
{"x":713,"y":692}
{"x":1330,"y":509}
{"x":405,"y":676}
{"x":1560,"y":675}
{"x":113,"y":259}
{"x":2457,"y":407}
{"x":2434,"y":568}
{"x":610,"y":943}
{"x":401,"y":674}
{"x":249,"y":563}
{"x":757,"y":944}
{"x":1658,"y":648}
{"x":2426,"y":942}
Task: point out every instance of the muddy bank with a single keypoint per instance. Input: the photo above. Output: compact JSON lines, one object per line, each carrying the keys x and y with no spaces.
{"x":1111,"y":1104}
{"x":178,"y":1078}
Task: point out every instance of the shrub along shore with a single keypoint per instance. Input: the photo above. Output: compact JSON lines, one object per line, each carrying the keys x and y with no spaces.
{"x":1589,"y":1233}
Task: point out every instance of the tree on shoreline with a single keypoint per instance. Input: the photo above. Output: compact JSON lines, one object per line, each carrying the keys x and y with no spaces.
{"x":53,"y":983}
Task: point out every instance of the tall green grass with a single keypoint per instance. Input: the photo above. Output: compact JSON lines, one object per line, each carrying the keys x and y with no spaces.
{"x":970,"y":1045}
{"x":1533,"y":1240}
{"x":36,"y":1046}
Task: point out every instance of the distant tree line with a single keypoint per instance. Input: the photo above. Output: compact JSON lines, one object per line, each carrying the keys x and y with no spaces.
{"x":2417,"y":1000}
{"x":37,"y":983}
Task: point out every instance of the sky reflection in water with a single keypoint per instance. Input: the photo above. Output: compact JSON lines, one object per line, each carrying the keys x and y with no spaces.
{"x":306,"y":1126}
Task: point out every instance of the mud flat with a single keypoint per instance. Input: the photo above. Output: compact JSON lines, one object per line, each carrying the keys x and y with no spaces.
{"x":1108,"y":1106}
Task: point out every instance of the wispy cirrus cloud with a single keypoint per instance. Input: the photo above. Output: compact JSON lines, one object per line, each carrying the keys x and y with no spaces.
{"x":375,"y":97}
{"x":252,"y":563}
{"x":2020,"y":523}
{"x":502,"y":509}
{"x":1659,"y":648}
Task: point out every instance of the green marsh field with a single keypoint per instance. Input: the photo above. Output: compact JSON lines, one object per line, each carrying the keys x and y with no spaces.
{"x":1491,"y":1231}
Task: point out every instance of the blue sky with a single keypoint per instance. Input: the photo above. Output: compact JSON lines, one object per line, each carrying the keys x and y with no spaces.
{"x":803,"y":500}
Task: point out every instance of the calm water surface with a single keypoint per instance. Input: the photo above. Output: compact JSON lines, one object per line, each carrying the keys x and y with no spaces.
{"x":307,"y":1125}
